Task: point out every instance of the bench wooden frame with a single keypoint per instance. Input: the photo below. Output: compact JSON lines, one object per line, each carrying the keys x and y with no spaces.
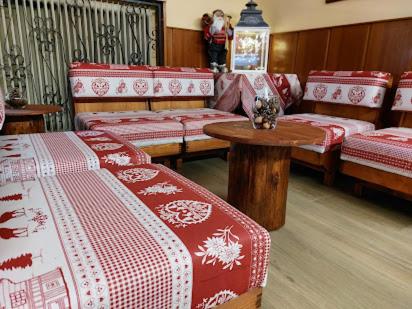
{"x":369,"y":176}
{"x":328,"y":162}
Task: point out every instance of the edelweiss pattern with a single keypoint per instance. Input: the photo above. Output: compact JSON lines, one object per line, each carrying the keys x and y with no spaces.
{"x":218,"y":299}
{"x":119,"y":158}
{"x":137,"y":174}
{"x":184,"y":212}
{"x":223,"y":247}
{"x":106,"y":146}
{"x":163,"y":187}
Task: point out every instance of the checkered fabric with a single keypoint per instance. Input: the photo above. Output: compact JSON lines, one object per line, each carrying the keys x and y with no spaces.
{"x":388,"y":150}
{"x":335,"y":128}
{"x":365,"y":88}
{"x":232,"y":89}
{"x":141,"y":128}
{"x":28,"y":156}
{"x":132,"y":237}
{"x":91,"y":80}
{"x":403,"y":97}
{"x":2,"y":109}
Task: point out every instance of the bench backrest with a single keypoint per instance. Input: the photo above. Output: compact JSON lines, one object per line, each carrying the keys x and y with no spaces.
{"x":349,"y":94}
{"x":403,"y":100}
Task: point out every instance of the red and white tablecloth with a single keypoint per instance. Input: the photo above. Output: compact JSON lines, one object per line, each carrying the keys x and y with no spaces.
{"x":336,"y":129}
{"x":140,"y":237}
{"x":141,"y":128}
{"x":403,"y":97}
{"x":365,"y":88}
{"x":194,"y":120}
{"x":232,"y":89}
{"x":389,"y":150}
{"x":91,"y":80}
{"x":28,"y":156}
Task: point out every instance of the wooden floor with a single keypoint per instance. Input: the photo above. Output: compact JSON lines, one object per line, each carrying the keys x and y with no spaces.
{"x":336,"y":250}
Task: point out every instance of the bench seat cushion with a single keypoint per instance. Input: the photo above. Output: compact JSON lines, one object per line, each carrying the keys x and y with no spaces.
{"x":194,"y":120}
{"x":140,"y":237}
{"x":335,"y":128}
{"x":28,"y":156}
{"x":141,"y":128}
{"x":389,"y":150}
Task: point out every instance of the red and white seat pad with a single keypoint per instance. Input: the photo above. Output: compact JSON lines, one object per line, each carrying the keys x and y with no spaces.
{"x":180,"y":245}
{"x":141,"y":128}
{"x":2,"y":109}
{"x":182,"y":82}
{"x":335,"y":128}
{"x":362,"y":88}
{"x":105,"y":80}
{"x":389,"y":150}
{"x":403,"y":97}
{"x":28,"y":156}
{"x":194,"y":120}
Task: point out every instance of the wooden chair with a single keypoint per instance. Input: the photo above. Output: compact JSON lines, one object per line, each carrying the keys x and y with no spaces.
{"x":322,"y":96}
{"x":378,"y":174}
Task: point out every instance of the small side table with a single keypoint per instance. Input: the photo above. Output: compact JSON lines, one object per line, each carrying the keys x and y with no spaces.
{"x":27,"y":120}
{"x":259,"y":166}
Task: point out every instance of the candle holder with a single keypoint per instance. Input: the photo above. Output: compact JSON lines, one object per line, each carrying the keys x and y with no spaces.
{"x":265,"y":112}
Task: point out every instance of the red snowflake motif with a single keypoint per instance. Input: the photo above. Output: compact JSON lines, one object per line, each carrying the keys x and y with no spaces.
{"x":100,"y":86}
{"x":377,"y":98}
{"x":121,"y":88}
{"x":191,"y":87}
{"x":337,"y":93}
{"x":259,"y":82}
{"x":175,"y":86}
{"x":158,"y":87}
{"x":320,"y":91}
{"x":78,"y":87}
{"x":356,"y":94}
{"x":398,"y":98}
{"x":140,"y":86}
{"x":205,"y":87}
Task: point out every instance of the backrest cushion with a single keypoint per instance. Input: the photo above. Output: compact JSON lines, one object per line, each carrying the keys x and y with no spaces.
{"x":360,"y":88}
{"x":403,"y":97}
{"x":2,"y":111}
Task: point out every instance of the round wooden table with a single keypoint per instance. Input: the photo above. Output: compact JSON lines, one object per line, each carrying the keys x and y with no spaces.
{"x":259,"y":164}
{"x":27,"y":120}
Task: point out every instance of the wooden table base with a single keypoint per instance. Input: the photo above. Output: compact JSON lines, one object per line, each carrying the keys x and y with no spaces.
{"x":23,"y":125}
{"x":258,"y":182}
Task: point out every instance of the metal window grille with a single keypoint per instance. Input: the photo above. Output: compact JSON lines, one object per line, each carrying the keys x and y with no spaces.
{"x":40,"y":38}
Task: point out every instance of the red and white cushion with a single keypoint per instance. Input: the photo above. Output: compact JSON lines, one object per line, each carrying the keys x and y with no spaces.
{"x":141,"y":128}
{"x":2,"y":109}
{"x":336,"y":129}
{"x":403,"y":97}
{"x":182,"y":82}
{"x":141,"y":237}
{"x":362,"y":88}
{"x":194,"y":120}
{"x":389,"y":150}
{"x":91,"y":80}
{"x":28,"y":156}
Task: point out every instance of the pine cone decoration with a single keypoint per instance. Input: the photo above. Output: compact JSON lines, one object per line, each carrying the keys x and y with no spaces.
{"x":265,"y":112}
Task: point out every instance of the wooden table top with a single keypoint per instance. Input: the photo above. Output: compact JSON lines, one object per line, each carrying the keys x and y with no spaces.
{"x":285,"y":133}
{"x":33,"y":110}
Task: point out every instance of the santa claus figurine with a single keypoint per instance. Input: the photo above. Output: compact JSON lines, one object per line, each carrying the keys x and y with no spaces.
{"x":217,"y":32}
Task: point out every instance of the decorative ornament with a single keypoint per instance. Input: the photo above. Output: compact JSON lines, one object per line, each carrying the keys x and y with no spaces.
{"x":265,"y":112}
{"x":15,"y":99}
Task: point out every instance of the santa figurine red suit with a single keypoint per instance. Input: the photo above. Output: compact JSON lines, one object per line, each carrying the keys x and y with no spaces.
{"x":217,"y":33}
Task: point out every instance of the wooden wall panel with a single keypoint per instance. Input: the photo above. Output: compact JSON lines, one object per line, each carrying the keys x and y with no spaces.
{"x":348,"y":47}
{"x":390,"y":47}
{"x":185,"y":48}
{"x":311,"y":52}
{"x":282,"y":52}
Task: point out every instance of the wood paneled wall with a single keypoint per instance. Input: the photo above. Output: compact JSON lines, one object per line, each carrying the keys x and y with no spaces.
{"x":385,"y":45}
{"x":187,"y":48}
